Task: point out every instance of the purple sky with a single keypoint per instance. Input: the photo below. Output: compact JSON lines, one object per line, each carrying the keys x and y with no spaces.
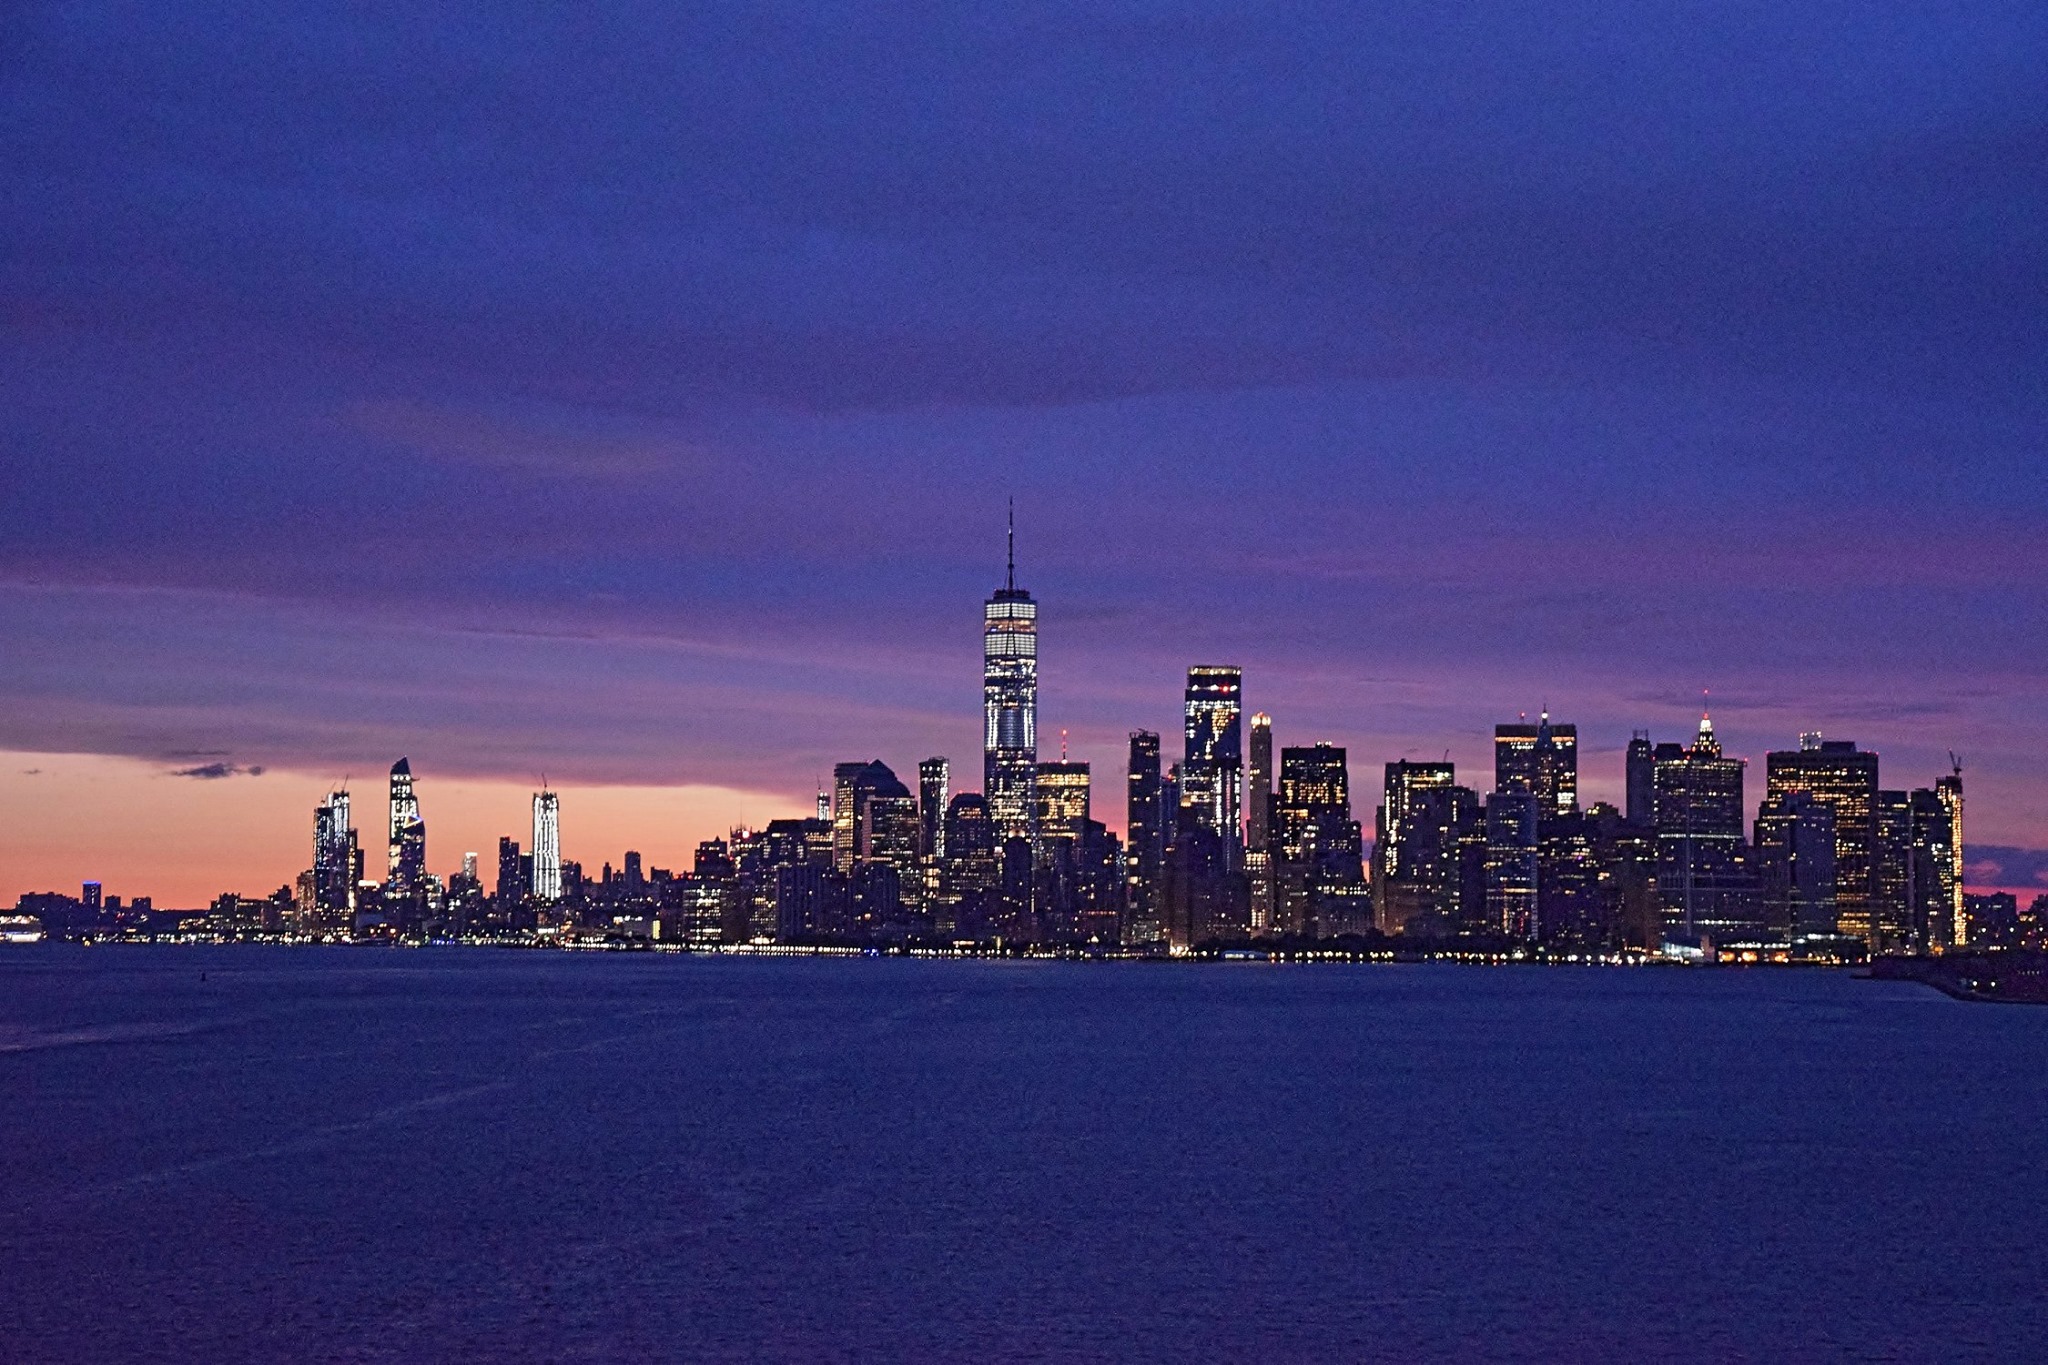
{"x":632,"y":392}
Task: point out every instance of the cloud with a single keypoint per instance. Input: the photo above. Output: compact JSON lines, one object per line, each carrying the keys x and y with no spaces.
{"x":2006,"y":865}
{"x":479,"y":439}
{"x":210,"y":772}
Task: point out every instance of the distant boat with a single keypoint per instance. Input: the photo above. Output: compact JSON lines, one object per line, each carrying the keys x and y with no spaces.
{"x":20,"y":929}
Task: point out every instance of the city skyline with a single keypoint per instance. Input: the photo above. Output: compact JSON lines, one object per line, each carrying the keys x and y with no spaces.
{"x":1433,"y":372}
{"x":1533,"y":763}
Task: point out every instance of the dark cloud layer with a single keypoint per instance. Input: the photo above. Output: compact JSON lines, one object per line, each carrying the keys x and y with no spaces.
{"x":213,"y":772}
{"x":636,"y":387}
{"x":2003,"y":865}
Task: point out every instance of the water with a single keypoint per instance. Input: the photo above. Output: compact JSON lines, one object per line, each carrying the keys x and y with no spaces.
{"x":335,"y":1154}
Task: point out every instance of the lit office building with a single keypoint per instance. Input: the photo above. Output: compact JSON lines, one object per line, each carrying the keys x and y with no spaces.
{"x":1062,"y":802}
{"x":1417,"y":849}
{"x":1511,"y":863}
{"x":1706,"y":874}
{"x":1317,"y":859}
{"x":1212,"y":758}
{"x":1948,"y":904}
{"x":1542,"y":759}
{"x":1844,"y":778}
{"x":1258,"y":823}
{"x":933,"y":779}
{"x":874,"y":818}
{"x":1145,"y":813}
{"x":1795,"y":853}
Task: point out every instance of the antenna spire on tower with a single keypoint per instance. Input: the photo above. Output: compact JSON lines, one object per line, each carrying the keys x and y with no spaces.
{"x":1013,"y":545}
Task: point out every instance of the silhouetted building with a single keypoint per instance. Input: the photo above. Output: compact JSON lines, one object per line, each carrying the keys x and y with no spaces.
{"x":512,"y":887}
{"x":1992,"y":921}
{"x":811,"y":901}
{"x":1795,"y":853}
{"x":1416,"y":850}
{"x":967,"y":879}
{"x":1641,"y":772}
{"x":1145,"y":815}
{"x":1624,"y":854}
{"x":1891,"y":874}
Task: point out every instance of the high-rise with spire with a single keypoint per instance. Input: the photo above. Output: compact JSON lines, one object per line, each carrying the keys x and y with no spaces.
{"x":1009,"y":691}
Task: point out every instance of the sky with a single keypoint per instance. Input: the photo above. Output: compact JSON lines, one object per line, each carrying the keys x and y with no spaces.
{"x":630,"y":395}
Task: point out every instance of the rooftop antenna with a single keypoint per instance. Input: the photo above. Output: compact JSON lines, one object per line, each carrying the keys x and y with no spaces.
{"x":1013,"y":545}
{"x":1955,"y":764}
{"x":1063,"y":744}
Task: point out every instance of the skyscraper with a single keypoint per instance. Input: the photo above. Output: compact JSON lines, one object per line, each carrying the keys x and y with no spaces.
{"x":1258,"y":823}
{"x":1212,"y":759}
{"x":1795,"y":851}
{"x":406,"y":865}
{"x":512,"y":887}
{"x":1542,"y":758}
{"x":1317,"y":860}
{"x":874,"y":818}
{"x":1416,"y":851}
{"x":1641,"y":801}
{"x":933,"y":778}
{"x":1949,"y":792}
{"x":1009,"y":693}
{"x":1844,"y":778}
{"x":1705,"y":873}
{"x":1063,"y":805}
{"x":547,"y":848}
{"x":1899,"y":929}
{"x":334,"y":859}
{"x":1512,"y":844}
{"x":1145,"y":838}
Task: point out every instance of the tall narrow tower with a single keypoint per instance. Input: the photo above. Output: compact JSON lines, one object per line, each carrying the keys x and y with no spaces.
{"x":406,"y":867}
{"x":1949,"y":791}
{"x":334,"y":886}
{"x":1258,"y":823}
{"x":547,"y":848}
{"x":1212,"y":756}
{"x":1009,"y":693}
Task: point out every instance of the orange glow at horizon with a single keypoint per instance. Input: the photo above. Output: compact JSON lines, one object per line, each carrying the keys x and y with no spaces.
{"x":139,"y":831}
